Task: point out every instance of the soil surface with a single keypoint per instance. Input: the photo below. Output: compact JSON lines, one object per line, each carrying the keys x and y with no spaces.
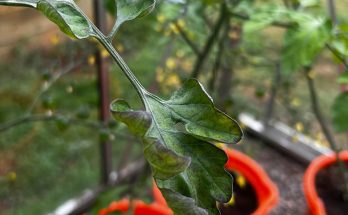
{"x":245,"y":200}
{"x":283,"y":170}
{"x":329,"y":186}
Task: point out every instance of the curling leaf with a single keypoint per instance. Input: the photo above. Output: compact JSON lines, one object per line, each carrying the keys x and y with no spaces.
{"x":64,"y":13}
{"x":25,"y":3}
{"x":128,"y":10}
{"x":176,"y":134}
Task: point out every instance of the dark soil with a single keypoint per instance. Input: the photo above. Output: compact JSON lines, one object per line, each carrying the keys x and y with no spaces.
{"x":245,"y":200}
{"x":329,"y":185}
{"x":284,"y":171}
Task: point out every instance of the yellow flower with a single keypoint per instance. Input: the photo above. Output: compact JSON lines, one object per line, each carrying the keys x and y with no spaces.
{"x":11,"y":176}
{"x":120,"y":47}
{"x":299,"y":127}
{"x":159,"y":75}
{"x":104,"y":53}
{"x":49,"y":113}
{"x":173,"y":28}
{"x":173,"y":80}
{"x":55,"y":39}
{"x":161,"y":18}
{"x":187,"y":65}
{"x":241,"y":181}
{"x":181,"y":23}
{"x":233,"y":35}
{"x":91,"y":60}
{"x":294,"y":139}
{"x":69,"y":89}
{"x":170,"y":63}
{"x":295,"y":102}
{"x":180,"y":53}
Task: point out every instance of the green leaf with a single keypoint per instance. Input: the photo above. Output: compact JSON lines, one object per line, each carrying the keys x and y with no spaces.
{"x":176,"y":134}
{"x":67,"y":16}
{"x":343,"y":79}
{"x":340,"y":113}
{"x":303,"y":43}
{"x":265,"y":16}
{"x":25,"y":3}
{"x":309,"y":3}
{"x":128,"y":10}
{"x":165,"y":163}
{"x":64,"y":13}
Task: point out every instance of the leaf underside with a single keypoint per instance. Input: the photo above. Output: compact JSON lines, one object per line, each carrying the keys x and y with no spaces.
{"x":64,"y":13}
{"x":128,"y":10}
{"x":187,"y":168}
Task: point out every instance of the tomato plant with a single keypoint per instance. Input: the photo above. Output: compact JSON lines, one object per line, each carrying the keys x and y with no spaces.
{"x":177,"y":133}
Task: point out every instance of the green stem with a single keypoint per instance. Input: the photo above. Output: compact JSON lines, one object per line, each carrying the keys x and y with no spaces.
{"x":55,"y":78}
{"x":142,"y":92}
{"x":274,"y":23}
{"x":325,"y":129}
{"x":113,"y":32}
{"x":218,"y":59}
{"x":186,"y":38}
{"x":43,"y":117}
{"x":338,"y":55}
{"x":210,"y":42}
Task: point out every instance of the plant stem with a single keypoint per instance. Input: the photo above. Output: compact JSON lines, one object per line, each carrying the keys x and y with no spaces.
{"x":185,"y":37}
{"x":274,"y":89}
{"x":275,"y":23}
{"x":124,"y":67}
{"x":44,"y":117}
{"x":210,"y":42}
{"x":55,"y":78}
{"x":339,"y":57}
{"x":325,"y":129}
{"x":332,"y":11}
{"x":218,"y":59}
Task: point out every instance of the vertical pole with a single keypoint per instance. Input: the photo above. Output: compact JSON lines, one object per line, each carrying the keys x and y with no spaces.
{"x":271,"y":101}
{"x":332,"y":11}
{"x":103,"y":91}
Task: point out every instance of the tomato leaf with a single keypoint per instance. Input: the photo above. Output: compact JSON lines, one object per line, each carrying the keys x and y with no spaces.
{"x":25,"y":3}
{"x":343,"y":78}
{"x":264,"y":16}
{"x":127,"y":10}
{"x":188,"y":169}
{"x":303,"y":43}
{"x":64,"y":13}
{"x":340,"y":113}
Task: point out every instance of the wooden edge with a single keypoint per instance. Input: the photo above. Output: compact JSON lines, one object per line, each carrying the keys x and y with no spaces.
{"x":284,"y":138}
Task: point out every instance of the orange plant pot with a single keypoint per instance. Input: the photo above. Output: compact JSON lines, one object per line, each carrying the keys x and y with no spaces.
{"x":315,"y":204}
{"x":266,"y":191}
{"x":139,"y":207}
